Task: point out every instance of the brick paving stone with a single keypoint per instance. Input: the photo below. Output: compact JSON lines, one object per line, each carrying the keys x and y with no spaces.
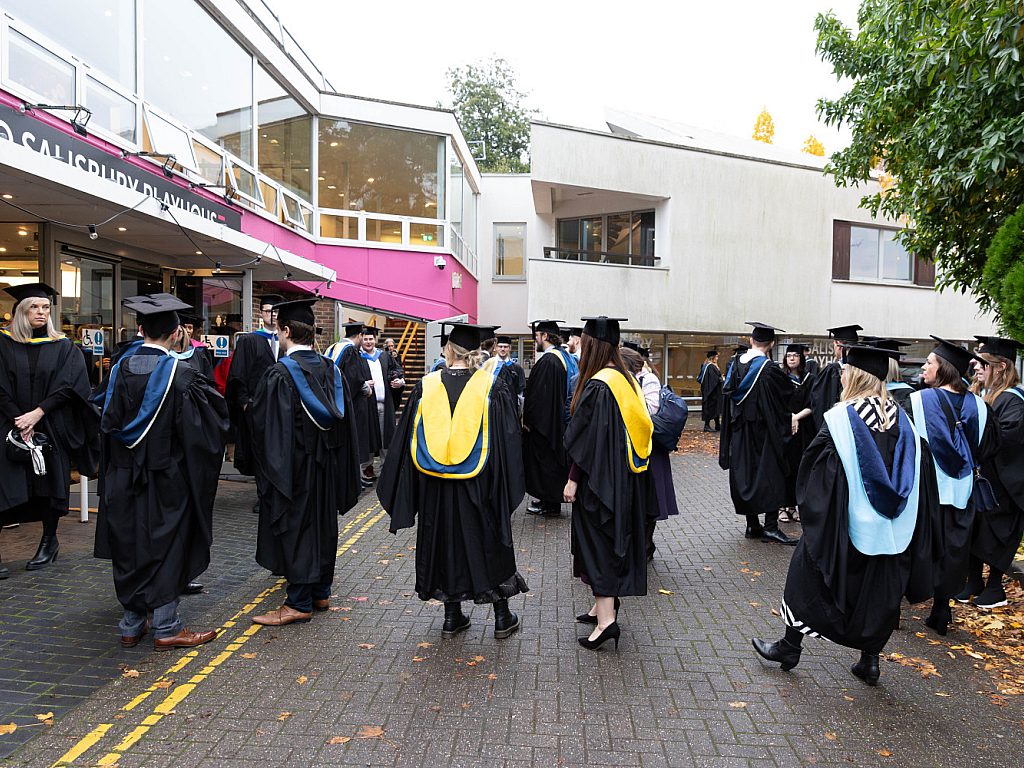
{"x":684,"y":689}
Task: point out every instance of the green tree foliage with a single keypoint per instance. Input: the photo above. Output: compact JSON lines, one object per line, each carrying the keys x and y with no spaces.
{"x":936,"y":98}
{"x":1003,"y":277}
{"x":489,"y":108}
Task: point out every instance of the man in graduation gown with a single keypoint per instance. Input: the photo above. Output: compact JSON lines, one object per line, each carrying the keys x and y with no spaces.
{"x":515,"y":376}
{"x":356,"y":372}
{"x":828,"y":385}
{"x":573,"y":340}
{"x":198,"y":355}
{"x":710,"y":380}
{"x":166,"y":427}
{"x":254,"y":353}
{"x":545,"y":414}
{"x":385,"y":375}
{"x":307,"y":466}
{"x":755,"y":424}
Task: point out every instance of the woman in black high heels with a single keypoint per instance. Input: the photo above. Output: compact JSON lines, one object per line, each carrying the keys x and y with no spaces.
{"x":866,"y":489}
{"x":608,"y":441}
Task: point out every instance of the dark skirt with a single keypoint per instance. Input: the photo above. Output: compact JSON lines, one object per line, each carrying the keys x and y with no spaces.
{"x":664,"y":489}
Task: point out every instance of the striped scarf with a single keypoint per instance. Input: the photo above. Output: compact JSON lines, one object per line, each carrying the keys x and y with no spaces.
{"x":869,"y":409}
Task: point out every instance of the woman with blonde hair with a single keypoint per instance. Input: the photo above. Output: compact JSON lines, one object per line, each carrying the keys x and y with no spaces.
{"x":455,"y":464}
{"x":46,"y":422}
{"x":997,"y":532}
{"x":865,"y":489}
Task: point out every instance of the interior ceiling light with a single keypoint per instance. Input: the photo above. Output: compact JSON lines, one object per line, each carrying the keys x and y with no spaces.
{"x":122,"y":229}
{"x":22,"y":233}
{"x":334,"y":143}
{"x":332,"y":186}
{"x":199,"y":253}
{"x":370,"y":180}
{"x":3,"y":250}
{"x":8,"y":196}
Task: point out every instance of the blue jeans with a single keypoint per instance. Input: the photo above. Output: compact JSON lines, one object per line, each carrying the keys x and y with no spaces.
{"x":301,"y":596}
{"x":166,"y":622}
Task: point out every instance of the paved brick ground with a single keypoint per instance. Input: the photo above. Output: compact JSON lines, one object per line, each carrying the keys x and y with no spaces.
{"x":373,"y":683}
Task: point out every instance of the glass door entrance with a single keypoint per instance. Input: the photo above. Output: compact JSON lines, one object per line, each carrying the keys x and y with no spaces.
{"x":87,"y":306}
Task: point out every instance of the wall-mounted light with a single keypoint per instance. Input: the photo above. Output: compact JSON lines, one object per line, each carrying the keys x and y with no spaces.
{"x":78,"y":121}
{"x":169,"y":160}
{"x":93,"y":234}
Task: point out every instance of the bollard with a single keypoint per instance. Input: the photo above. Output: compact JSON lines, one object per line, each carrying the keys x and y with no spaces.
{"x":83,"y":499}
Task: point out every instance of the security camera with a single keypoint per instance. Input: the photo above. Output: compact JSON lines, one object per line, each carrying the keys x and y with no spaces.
{"x":440,"y":262}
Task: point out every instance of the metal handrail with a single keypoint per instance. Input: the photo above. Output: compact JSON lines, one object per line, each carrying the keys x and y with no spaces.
{"x":461,"y":250}
{"x":601,"y":257}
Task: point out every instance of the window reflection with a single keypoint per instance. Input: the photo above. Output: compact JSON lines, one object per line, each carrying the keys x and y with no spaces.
{"x":510,"y":251}
{"x":100,"y":32}
{"x":195,"y":71}
{"x":41,"y":71}
{"x":285,"y":137}
{"x":379,"y":170}
{"x":110,"y":110}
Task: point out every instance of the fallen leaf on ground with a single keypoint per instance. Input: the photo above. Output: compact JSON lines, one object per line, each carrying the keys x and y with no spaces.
{"x":885,"y":753}
{"x":161,"y":684}
{"x":424,"y":645}
{"x":360,"y":599}
{"x":248,"y":655}
{"x":366,"y":646}
{"x":849,"y":698}
{"x":479,"y":658}
{"x":465,"y":705}
{"x":284,"y":716}
{"x":738,"y":704}
{"x":755,"y":605}
{"x":925,"y":668}
{"x":383,"y":562}
{"x":9,"y":728}
{"x":664,"y":591}
{"x":418,"y":659}
{"x":302,"y":680}
{"x":130,"y":672}
{"x":339,"y":739}
{"x":492,"y":676}
{"x":830,"y":736}
{"x":775,"y":612}
{"x":369,"y":732}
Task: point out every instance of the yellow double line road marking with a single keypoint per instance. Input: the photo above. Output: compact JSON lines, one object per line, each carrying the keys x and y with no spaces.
{"x":179,"y":693}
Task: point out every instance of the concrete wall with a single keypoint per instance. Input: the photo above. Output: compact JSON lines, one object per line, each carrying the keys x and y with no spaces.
{"x":506,"y":199}
{"x":739,"y":239}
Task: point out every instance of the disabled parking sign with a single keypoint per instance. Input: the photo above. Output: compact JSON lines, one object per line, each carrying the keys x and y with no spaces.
{"x":92,"y":339}
{"x":219,"y":344}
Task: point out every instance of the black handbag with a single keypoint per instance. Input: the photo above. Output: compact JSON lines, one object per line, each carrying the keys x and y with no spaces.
{"x":33,"y":452}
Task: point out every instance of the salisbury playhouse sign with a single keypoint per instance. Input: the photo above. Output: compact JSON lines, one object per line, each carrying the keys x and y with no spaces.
{"x":66,"y":148}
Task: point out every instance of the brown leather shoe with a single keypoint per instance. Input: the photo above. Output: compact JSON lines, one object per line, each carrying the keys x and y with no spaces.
{"x":281,"y":616}
{"x":130,"y":641}
{"x":322,"y":605}
{"x":184,"y":639}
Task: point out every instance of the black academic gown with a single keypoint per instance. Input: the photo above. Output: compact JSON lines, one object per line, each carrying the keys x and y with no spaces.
{"x":464,"y":548}
{"x":797,"y":444}
{"x":833,"y":589}
{"x":356,"y":372}
{"x":544,"y":460}
{"x":306,"y":477}
{"x":613,"y":504}
{"x":396,"y":372}
{"x":997,"y":534}
{"x":825,"y":392}
{"x":953,"y":527}
{"x":752,"y":445}
{"x":50,"y":375}
{"x":200,"y":360}
{"x":710,"y":392}
{"x":252,"y":357}
{"x":157,"y":520}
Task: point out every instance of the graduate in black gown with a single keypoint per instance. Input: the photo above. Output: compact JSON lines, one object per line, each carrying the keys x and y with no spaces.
{"x":756,"y":421}
{"x":794,"y":364}
{"x":962,"y":435}
{"x":346,"y":357}
{"x":609,"y":444}
{"x":44,"y":395}
{"x":254,"y":353}
{"x":512,"y":371}
{"x":710,"y":380}
{"x":385,"y":376}
{"x":454,"y":471}
{"x":545,"y":414}
{"x":193,"y":352}
{"x":165,"y":426}
{"x":307,"y":466}
{"x":827,"y":382}
{"x":866,"y":491}
{"x":898,"y":389}
{"x":997,"y":532}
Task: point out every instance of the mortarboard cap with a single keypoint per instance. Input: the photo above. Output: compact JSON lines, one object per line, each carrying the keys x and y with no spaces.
{"x":800,"y":349}
{"x":882,"y":342}
{"x":645,"y":352}
{"x":487,"y":332}
{"x":710,"y":353}
{"x":1000,"y":347}
{"x":957,"y":355}
{"x":739,"y":349}
{"x":271,"y":298}
{"x":370,"y":330}
{"x":873,"y":360}
{"x":632,"y":345}
{"x":762,"y":331}
{"x":845,"y":332}
{"x":31,"y":291}
{"x":546,"y":326}
{"x":574,"y":331}
{"x":157,"y":313}
{"x":297,"y":310}
{"x":469,"y":336}
{"x":505,"y":340}
{"x":352,"y":328}
{"x":605,"y":328}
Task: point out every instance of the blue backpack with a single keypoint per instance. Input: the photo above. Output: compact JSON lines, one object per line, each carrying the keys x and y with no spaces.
{"x":670,"y":420}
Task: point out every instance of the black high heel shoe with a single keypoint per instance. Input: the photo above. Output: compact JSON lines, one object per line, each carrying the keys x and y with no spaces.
{"x":782,"y":651}
{"x":586,"y":618}
{"x":611,"y":632}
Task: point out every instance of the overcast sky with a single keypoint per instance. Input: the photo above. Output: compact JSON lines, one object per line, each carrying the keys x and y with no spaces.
{"x":708,"y":63}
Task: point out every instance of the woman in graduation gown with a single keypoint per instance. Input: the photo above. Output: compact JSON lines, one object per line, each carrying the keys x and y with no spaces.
{"x":609,"y":443}
{"x":866,"y":488}
{"x":454,"y":470}
{"x":962,"y":435}
{"x":44,"y":390}
{"x":997,"y":532}
{"x":801,"y":424}
{"x":710,"y":380}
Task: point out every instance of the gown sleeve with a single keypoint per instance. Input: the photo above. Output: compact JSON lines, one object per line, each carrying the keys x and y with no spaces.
{"x":397,"y":486}
{"x":202,"y":427}
{"x":543,"y":407}
{"x":273,"y":413}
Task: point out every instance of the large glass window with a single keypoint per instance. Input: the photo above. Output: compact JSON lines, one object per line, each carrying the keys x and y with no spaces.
{"x":110,"y":110}
{"x":41,"y":71}
{"x":100,"y":32}
{"x":285,"y":137}
{"x":197,"y":73}
{"x":509,"y":251}
{"x":19,"y":262}
{"x":876,"y":255}
{"x":378,"y":170}
{"x":614,"y":238}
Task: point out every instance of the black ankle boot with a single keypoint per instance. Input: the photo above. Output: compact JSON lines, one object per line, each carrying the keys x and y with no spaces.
{"x":782,"y":651}
{"x":46,"y":554}
{"x":940,"y":618}
{"x":505,"y":622}
{"x":455,"y":620}
{"x":867,"y":668}
{"x":4,"y":571}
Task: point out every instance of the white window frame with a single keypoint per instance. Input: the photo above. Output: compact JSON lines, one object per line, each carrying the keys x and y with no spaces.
{"x":205,"y":143}
{"x":494,"y":255}
{"x":880,"y":257}
{"x":230,"y":162}
{"x":189,"y":162}
{"x":101,"y":130}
